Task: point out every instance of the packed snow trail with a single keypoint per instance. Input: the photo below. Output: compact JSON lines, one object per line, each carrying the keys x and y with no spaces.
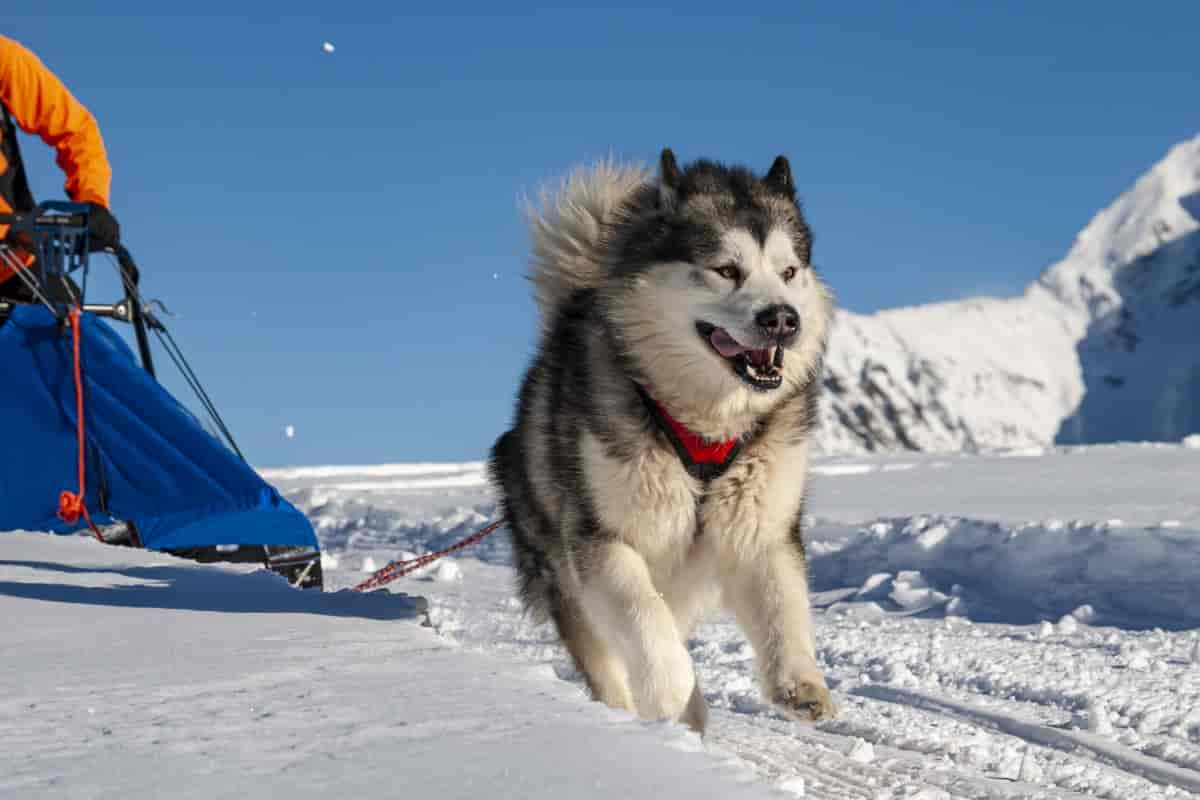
{"x":1023,"y":653}
{"x":127,"y":674}
{"x":884,"y":666}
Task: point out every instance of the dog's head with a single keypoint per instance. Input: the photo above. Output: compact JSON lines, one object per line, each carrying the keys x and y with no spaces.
{"x":713,"y":294}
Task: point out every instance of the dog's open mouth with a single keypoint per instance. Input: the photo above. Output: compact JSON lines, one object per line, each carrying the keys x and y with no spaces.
{"x":761,"y":369}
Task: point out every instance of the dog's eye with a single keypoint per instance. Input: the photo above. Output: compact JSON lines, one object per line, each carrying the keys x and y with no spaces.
{"x":729,"y":272}
{"x":790,"y":273}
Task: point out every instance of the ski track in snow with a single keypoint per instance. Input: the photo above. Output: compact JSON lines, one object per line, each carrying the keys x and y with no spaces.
{"x":971,"y":658}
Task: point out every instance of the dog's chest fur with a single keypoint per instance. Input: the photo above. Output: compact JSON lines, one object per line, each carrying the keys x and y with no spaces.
{"x":646,"y":499}
{"x":649,"y":500}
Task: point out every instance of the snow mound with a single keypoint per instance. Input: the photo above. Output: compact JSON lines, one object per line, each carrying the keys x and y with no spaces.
{"x":1097,"y":573}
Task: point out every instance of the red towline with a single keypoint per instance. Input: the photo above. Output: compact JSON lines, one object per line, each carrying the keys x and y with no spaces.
{"x":398,"y":569}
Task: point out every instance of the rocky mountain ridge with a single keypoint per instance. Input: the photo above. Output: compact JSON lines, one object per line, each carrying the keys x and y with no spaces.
{"x":1104,"y":346}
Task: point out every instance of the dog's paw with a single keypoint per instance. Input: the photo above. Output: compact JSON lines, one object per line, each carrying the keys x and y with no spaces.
{"x":806,"y":698}
{"x":666,"y":685}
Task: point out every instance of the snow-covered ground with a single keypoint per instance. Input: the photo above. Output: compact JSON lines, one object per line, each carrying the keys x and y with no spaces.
{"x":127,"y":674}
{"x":1019,"y":625}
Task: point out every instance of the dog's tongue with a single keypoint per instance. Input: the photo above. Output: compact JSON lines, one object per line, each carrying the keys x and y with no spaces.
{"x":725,"y":344}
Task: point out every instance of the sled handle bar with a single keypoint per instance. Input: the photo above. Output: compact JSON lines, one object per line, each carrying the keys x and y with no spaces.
{"x":70,"y":222}
{"x":52,"y":213}
{"x":69,"y":218}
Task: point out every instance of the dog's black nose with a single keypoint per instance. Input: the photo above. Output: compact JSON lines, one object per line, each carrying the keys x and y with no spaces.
{"x":778,"y":322}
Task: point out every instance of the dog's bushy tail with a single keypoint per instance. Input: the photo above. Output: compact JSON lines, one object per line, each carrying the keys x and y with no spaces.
{"x":567,"y":227}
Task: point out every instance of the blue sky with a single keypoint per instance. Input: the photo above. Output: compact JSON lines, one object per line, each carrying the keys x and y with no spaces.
{"x":339,"y":233}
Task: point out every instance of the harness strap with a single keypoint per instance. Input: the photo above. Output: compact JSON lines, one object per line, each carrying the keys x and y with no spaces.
{"x":14,"y":189}
{"x":704,"y":460}
{"x":22,"y":195}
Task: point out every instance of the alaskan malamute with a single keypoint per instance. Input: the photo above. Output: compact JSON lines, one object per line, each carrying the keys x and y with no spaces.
{"x":658,"y":460}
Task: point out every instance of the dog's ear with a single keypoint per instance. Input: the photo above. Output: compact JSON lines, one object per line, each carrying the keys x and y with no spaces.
{"x":669,"y":178}
{"x":779,"y":178}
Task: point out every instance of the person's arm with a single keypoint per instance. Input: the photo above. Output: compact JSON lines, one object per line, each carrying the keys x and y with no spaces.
{"x":41,"y":105}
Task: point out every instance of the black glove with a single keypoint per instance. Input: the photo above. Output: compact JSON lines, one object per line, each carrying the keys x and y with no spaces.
{"x":103,"y":228}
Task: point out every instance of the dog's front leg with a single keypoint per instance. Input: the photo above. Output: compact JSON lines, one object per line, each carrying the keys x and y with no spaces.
{"x":621,"y":600}
{"x":767,"y":589}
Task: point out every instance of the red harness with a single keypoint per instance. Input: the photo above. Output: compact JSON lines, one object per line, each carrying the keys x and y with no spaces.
{"x":704,"y":459}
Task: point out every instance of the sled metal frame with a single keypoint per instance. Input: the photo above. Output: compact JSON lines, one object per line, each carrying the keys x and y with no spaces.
{"x":56,"y":233}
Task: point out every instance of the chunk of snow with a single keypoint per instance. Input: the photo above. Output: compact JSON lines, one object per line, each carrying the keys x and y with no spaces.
{"x":1085,"y":614}
{"x":1192,"y":441}
{"x":1030,"y":772}
{"x":1068,"y":625}
{"x":1097,"y":717}
{"x":1045,"y":630}
{"x":861,"y":750}
{"x":448,"y":572}
{"x":933,"y":537}
{"x":328,"y":47}
{"x":873,"y":583}
{"x":290,"y":431}
{"x":793,"y":786}
{"x":1009,"y":764}
{"x":911,"y":592}
{"x":956,"y":608}
{"x":1138,"y":659}
{"x":1151,"y":722}
{"x":368,"y":565}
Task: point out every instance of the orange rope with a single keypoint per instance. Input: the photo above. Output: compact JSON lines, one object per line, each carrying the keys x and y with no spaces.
{"x":71,"y":506}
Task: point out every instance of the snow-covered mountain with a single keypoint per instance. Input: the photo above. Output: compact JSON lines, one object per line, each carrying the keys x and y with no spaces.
{"x":1104,"y":346}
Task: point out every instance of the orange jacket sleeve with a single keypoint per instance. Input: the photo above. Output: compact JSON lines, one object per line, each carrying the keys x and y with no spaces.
{"x":41,"y":104}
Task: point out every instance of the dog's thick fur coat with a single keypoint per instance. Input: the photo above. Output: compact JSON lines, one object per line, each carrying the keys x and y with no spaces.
{"x":645,"y":283}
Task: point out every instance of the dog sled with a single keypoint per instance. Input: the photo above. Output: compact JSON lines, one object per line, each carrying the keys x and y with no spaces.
{"x":93,"y":440}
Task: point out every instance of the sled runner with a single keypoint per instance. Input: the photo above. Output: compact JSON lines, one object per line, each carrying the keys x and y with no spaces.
{"x":85,"y":417}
